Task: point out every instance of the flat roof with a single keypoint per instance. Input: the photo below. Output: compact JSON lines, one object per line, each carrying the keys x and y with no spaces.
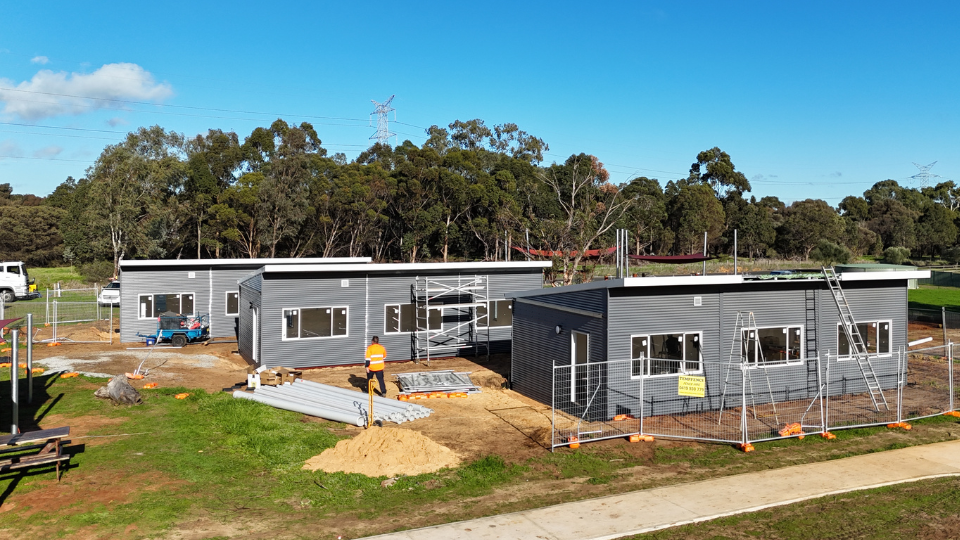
{"x":140,"y":263}
{"x":718,"y":279}
{"x":404,"y":267}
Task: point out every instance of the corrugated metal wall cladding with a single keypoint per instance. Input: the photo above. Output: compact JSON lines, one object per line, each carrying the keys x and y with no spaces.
{"x":280,"y":294}
{"x":591,"y":300}
{"x":135,"y":282}
{"x":663,"y":314}
{"x":366,"y":298}
{"x":537,"y":347}
{"x":868,"y":304}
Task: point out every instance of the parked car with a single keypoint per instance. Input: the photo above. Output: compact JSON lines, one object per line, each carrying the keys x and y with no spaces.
{"x":110,"y":294}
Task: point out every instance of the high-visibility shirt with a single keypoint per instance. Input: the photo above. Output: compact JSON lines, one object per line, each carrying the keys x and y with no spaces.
{"x":375,"y":356}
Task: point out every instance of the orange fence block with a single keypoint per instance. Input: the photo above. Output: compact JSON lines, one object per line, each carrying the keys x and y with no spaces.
{"x":181,"y":396}
{"x":150,"y":385}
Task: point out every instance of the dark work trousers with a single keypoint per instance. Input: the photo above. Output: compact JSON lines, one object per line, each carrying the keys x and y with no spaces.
{"x":379,"y":374}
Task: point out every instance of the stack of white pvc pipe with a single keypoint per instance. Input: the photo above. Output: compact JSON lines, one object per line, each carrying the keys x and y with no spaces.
{"x":332,"y":403}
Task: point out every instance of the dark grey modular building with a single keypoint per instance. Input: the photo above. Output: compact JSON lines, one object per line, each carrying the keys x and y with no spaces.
{"x":674,"y":326}
{"x":191,"y":286}
{"x":323,"y":315}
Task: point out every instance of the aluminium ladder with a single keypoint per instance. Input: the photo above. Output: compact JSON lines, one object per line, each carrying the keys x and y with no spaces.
{"x":858,"y":347}
{"x":748,"y":324}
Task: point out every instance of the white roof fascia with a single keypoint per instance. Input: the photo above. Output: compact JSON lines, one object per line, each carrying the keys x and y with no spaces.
{"x":665,"y":281}
{"x":406,"y":267}
{"x":880,"y":276}
{"x":133,"y":263}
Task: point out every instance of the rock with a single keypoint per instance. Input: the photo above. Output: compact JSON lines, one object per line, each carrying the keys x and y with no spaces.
{"x":388,"y":482}
{"x":119,"y":391}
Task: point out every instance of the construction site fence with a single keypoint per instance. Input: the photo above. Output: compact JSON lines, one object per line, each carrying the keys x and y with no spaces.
{"x":945,"y":318}
{"x":939,"y":278}
{"x":743,"y":403}
{"x":60,"y":306}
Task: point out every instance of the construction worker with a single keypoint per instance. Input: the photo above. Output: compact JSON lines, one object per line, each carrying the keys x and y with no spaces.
{"x":375,"y":358}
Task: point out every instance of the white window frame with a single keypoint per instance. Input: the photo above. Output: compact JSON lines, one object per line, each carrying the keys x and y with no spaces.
{"x":226,"y":304}
{"x":386,"y":316}
{"x":876,"y":354}
{"x":683,"y":363}
{"x":776,"y":363}
{"x":283,"y":323}
{"x":154,"y":305}
{"x":487,"y":326}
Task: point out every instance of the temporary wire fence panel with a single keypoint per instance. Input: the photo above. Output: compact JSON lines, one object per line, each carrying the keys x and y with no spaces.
{"x":744,"y":403}
{"x":783,"y":400}
{"x":594,"y":401}
{"x":848,"y":402}
{"x":707,"y":407}
{"x":928,"y":386}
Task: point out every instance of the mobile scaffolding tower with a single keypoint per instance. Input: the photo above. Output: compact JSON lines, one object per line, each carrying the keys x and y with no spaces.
{"x":451,"y":315}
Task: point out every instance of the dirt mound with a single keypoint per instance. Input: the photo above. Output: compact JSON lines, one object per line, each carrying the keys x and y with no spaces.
{"x":384,"y":451}
{"x":488,"y":379}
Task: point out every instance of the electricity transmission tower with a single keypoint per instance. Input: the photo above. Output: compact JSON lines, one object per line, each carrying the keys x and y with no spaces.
{"x":924,"y":175}
{"x":383,"y":128}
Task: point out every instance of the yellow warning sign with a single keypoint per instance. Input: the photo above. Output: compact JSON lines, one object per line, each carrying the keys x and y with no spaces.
{"x":691,"y":386}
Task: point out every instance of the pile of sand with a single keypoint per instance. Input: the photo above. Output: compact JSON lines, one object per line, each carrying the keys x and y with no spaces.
{"x":384,"y":451}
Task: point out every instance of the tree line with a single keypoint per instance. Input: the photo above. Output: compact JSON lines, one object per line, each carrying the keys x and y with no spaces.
{"x":469,"y":192}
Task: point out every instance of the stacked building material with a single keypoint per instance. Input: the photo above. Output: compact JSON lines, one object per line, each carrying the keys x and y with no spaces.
{"x":332,"y":403}
{"x":430,"y":383}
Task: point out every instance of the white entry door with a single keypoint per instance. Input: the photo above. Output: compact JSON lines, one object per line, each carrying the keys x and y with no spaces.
{"x":579,"y":358}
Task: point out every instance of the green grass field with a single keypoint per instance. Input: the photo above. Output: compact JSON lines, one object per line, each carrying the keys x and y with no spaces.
{"x":168,"y":463}
{"x":924,"y":509}
{"x":47,"y":278}
{"x":930,"y":297}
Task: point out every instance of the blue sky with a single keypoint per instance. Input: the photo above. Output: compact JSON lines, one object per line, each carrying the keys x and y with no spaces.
{"x":811,"y":99}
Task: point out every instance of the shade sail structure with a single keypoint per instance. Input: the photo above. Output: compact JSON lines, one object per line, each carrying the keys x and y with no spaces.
{"x":590,"y":253}
{"x":6,"y":322}
{"x":672,"y":259}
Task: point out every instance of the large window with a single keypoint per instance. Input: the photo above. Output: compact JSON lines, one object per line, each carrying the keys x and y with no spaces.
{"x":233,"y":304}
{"x":875,"y":334}
{"x":666,"y":354}
{"x":501,"y":314}
{"x":399,"y":318}
{"x":154,"y":305}
{"x":310,"y":323}
{"x":773,"y":346}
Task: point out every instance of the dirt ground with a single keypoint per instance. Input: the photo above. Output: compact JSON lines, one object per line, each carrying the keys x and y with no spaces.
{"x":518,"y":426}
{"x":920,"y":330}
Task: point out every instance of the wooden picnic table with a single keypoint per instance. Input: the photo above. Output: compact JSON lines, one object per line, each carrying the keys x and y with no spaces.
{"x":49,"y":441}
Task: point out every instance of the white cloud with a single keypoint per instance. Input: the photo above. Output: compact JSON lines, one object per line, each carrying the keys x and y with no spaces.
{"x":117,"y":121}
{"x":10,"y":148}
{"x":50,"y":94}
{"x":42,"y":60}
{"x":48,"y":152}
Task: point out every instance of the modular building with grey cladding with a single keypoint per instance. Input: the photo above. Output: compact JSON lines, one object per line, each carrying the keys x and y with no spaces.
{"x":325,"y":315}
{"x":190,"y":287}
{"x":673,"y":326}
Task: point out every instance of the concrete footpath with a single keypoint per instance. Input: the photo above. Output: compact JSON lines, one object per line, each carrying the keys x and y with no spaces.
{"x":643,"y":511}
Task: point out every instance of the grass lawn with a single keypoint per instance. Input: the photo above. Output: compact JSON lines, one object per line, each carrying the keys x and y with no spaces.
{"x":67,"y":276}
{"x":924,"y":509}
{"x":214,"y":463}
{"x":931,"y":297}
